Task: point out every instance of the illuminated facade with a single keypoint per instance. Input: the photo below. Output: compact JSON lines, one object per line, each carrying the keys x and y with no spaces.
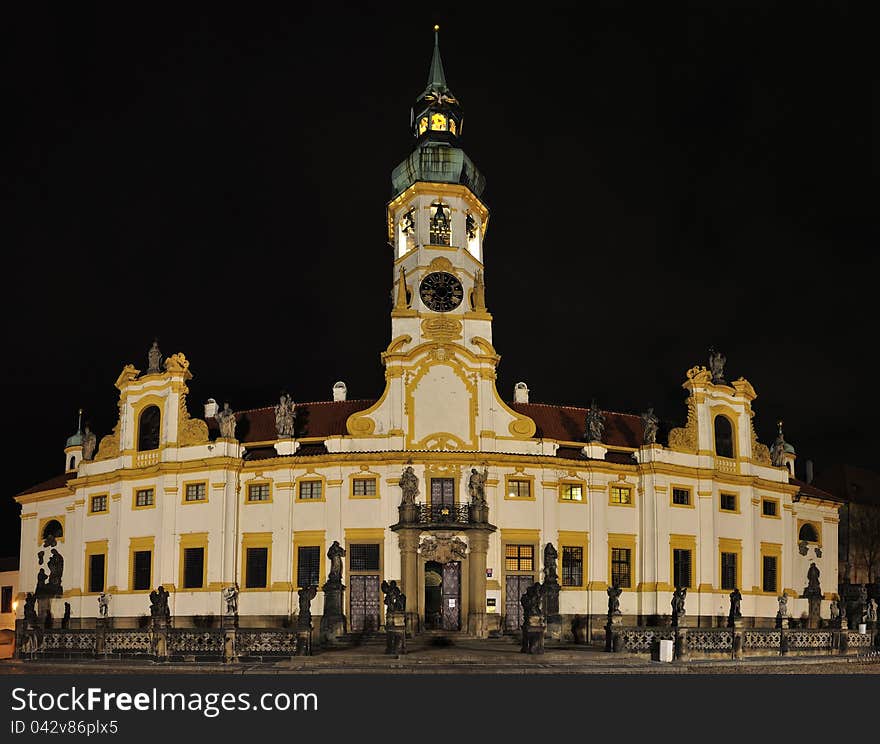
{"x":165,"y":499}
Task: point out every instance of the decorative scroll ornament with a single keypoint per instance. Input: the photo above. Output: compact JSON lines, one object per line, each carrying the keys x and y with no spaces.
{"x":109,"y":446}
{"x":685,"y":439}
{"x":760,"y":452}
{"x":189,"y":430}
{"x":178,"y":364}
{"x":699,"y":375}
{"x":441,"y":329}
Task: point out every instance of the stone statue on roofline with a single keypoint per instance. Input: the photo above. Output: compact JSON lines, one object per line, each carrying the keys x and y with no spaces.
{"x":285,"y":415}
{"x":777,"y":451}
{"x":651,"y":425}
{"x":226,"y":422}
{"x":154,"y":358}
{"x":717,"y":360}
{"x":89,"y":443}
{"x":595,"y":424}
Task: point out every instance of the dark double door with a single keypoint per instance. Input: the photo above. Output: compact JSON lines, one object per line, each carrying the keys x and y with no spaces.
{"x":443,"y":599}
{"x":364,"y":596}
{"x":515,"y":587}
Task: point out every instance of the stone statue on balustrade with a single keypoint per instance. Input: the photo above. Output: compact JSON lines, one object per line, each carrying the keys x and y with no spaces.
{"x":409,"y":486}
{"x":395,"y":600}
{"x":477,"y":486}
{"x":89,"y":443}
{"x":871,"y":614}
{"x":159,"y":609}
{"x":104,"y":604}
{"x":614,"y":593}
{"x":813,"y":588}
{"x":595,"y":424}
{"x":679,"y":596}
{"x":285,"y":415}
{"x":306,"y":595}
{"x":735,"y":615}
{"x":30,"y":611}
{"x":717,"y":360}
{"x":154,"y":359}
{"x":651,"y":424}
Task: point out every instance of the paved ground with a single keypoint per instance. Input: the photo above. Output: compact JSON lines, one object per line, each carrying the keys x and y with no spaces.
{"x":494,"y":656}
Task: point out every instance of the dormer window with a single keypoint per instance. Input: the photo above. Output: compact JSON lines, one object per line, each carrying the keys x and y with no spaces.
{"x":438,"y":123}
{"x":440,"y":227}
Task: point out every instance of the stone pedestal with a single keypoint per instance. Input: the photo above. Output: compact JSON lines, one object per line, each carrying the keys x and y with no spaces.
{"x":395,"y":633}
{"x":159,"y":642}
{"x":229,"y":621}
{"x":230,"y":652}
{"x":682,"y":651}
{"x":782,"y":621}
{"x":551,"y":609}
{"x":815,"y":613}
{"x":286,"y":446}
{"x":333,"y":622}
{"x":102,"y":625}
{"x":612,"y":633}
{"x":304,"y":641}
{"x":533,"y":630}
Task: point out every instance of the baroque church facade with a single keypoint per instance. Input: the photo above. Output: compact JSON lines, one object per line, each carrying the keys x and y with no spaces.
{"x":439,"y":483}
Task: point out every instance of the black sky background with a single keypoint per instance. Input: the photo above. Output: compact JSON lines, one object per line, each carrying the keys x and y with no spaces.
{"x":660,"y":181}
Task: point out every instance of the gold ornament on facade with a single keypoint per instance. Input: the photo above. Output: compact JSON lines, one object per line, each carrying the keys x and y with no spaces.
{"x":478,"y":295}
{"x":189,"y":430}
{"x":178,"y":364}
{"x":441,"y":329}
{"x":760,"y":452}
{"x":686,"y":439}
{"x":441,"y":263}
{"x":699,"y":375}
{"x":129,"y":374}
{"x":109,"y":446}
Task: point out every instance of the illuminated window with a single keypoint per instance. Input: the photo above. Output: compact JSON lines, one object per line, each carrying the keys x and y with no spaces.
{"x":571,"y":492}
{"x":423,"y":125}
{"x":572,"y":565}
{"x":258,"y":492}
{"x":310,"y":490}
{"x":452,"y":126}
{"x":364,"y":487}
{"x":99,"y":503}
{"x":621,"y":495}
{"x":144,"y":497}
{"x":519,"y":557}
{"x":519,"y":489}
{"x":438,"y":123}
{"x":440,"y":224}
{"x":621,"y":568}
{"x":195,"y":492}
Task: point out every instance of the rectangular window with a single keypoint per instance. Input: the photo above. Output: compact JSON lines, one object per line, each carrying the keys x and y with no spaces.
{"x":681,"y":496}
{"x":681,"y":567}
{"x":96,"y":572}
{"x":193,"y":568}
{"x":442,"y":491}
{"x":256,"y":568}
{"x":195,"y":492}
{"x":728,"y":570}
{"x":768,"y":508}
{"x":572,"y":565}
{"x":621,"y":495}
{"x":6,"y":599}
{"x":572,"y":492}
{"x":519,"y":489}
{"x":144,"y":497}
{"x":258,"y":492}
{"x":364,"y":557}
{"x":310,"y":490}
{"x":364,"y":487}
{"x":769,"y":573}
{"x":621,"y":569}
{"x":143,"y":565}
{"x":519,"y":557}
{"x":99,"y":503}
{"x":308,"y":565}
{"x":728,"y":502}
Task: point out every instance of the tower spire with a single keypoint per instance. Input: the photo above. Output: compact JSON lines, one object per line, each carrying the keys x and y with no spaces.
{"x":436,"y":76}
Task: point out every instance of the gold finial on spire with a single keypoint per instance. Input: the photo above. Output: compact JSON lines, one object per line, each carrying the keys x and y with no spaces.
{"x":436,"y":28}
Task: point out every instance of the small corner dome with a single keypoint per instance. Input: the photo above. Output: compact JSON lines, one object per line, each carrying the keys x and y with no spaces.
{"x":789,"y":448}
{"x":74,"y":440}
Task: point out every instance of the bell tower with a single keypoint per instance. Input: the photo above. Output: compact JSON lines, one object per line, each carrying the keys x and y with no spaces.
{"x":440,"y":363}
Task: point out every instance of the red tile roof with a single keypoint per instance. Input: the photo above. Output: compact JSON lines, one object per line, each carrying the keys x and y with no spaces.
{"x":811,"y":491}
{"x":568,"y":424}
{"x":57,"y":482}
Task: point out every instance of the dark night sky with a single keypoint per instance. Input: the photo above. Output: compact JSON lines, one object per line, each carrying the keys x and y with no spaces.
{"x":660,"y":182}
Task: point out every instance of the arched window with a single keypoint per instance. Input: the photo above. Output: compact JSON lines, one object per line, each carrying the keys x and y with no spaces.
{"x":723,"y":437}
{"x":808,"y":534}
{"x":148,"y":428}
{"x":52,"y":532}
{"x":72,"y":463}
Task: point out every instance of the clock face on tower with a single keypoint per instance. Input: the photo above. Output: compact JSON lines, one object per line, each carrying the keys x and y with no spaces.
{"x":441,"y":292}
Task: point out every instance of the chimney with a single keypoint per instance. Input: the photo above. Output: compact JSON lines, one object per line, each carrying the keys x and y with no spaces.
{"x":210,"y":408}
{"x":809,"y":471}
{"x":520,"y":393}
{"x":340,"y":391}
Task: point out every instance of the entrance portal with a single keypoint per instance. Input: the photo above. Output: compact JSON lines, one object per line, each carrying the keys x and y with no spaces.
{"x":443,"y":595}
{"x":513,"y":612}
